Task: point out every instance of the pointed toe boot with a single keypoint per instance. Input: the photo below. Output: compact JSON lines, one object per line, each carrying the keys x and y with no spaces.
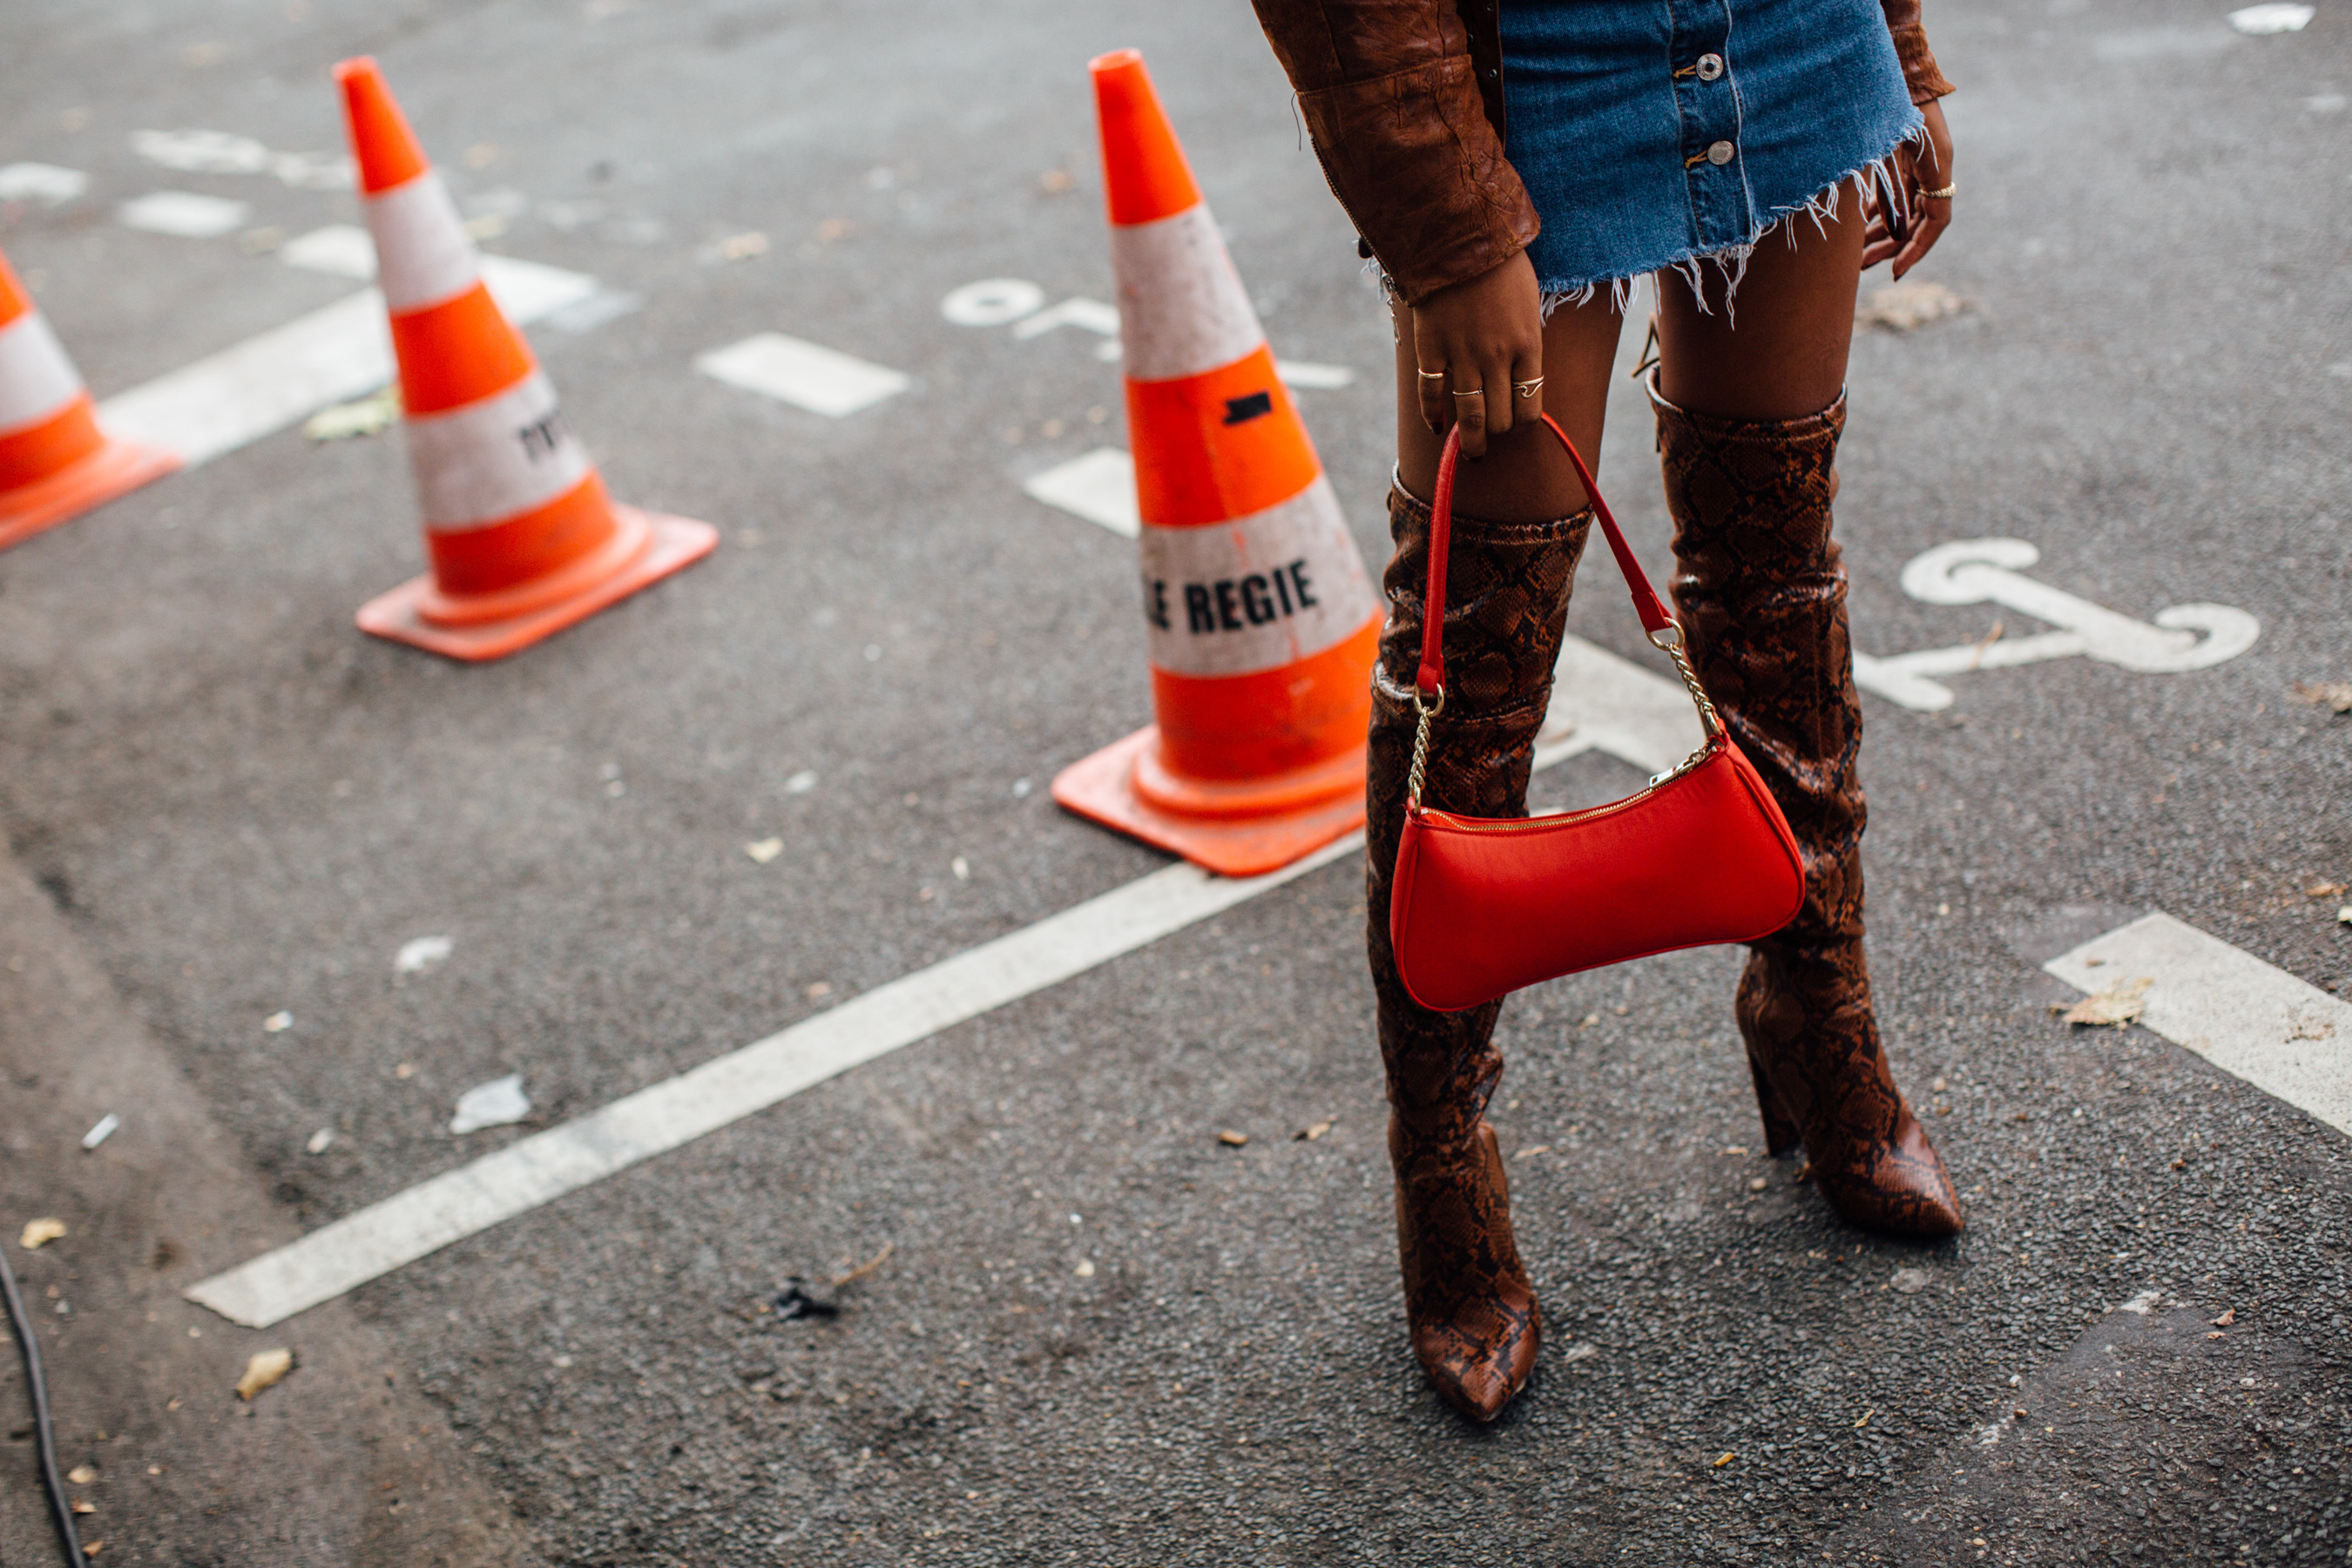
{"x":1761,"y":590}
{"x":1469,"y":1306}
{"x":1475,"y":1325}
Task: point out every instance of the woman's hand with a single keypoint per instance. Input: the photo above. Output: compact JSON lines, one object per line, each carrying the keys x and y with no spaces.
{"x":1919,"y":167}
{"x":1472,"y":340}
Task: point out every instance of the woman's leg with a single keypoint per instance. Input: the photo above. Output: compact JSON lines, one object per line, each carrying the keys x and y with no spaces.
{"x":1518,"y":528}
{"x":1749,"y":410}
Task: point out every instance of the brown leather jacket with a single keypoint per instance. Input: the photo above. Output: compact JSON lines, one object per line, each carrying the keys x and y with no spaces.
{"x":1404,"y":100}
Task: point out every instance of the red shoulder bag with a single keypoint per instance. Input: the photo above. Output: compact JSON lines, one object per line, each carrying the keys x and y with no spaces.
{"x":1482,"y":906}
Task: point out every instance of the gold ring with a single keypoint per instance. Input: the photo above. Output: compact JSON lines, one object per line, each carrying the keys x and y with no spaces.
{"x":1943,"y":195}
{"x":1528,"y":389}
{"x":1432,"y":375}
{"x":1474,"y":391}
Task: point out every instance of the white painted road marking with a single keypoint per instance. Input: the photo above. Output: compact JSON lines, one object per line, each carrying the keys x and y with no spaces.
{"x":1098,"y":487}
{"x":1308,"y":376}
{"x":1018,"y":303}
{"x":340,"y":249}
{"x":2288,"y":1039}
{"x":1974,"y":570}
{"x":183,"y":212}
{"x":44,"y":183}
{"x":283,"y":376}
{"x":804,"y":374}
{"x":537,"y":1170}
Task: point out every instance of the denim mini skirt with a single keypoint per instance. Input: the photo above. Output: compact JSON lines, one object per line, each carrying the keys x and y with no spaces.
{"x":1663,"y":133}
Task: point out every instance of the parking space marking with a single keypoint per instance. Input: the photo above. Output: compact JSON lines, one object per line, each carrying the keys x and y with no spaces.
{"x":537,"y":1170}
{"x":283,"y":376}
{"x":183,"y":212}
{"x":1978,"y":571}
{"x":804,"y":374}
{"x":340,"y":249}
{"x":1098,"y":487}
{"x":44,"y":183}
{"x":2291,"y":1040}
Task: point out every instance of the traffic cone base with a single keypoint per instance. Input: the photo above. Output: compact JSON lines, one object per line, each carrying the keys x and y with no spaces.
{"x":645,"y":547}
{"x":1244,"y":828}
{"x":116,"y":468}
{"x":55,"y":462}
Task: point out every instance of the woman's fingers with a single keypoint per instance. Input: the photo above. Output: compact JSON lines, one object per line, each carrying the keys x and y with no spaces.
{"x":1429,"y":380}
{"x":1466,"y":339}
{"x":1935,"y":216}
{"x":1929,"y":168}
{"x":1468,"y":392}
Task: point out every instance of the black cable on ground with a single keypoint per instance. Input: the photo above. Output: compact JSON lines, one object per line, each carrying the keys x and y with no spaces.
{"x":60,"y":1512}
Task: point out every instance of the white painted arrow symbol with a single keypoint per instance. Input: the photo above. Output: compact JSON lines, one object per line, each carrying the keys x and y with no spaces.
{"x":2186,"y":637}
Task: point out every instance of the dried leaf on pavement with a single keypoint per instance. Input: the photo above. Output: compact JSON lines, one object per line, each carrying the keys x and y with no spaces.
{"x":867,"y":1267}
{"x":40,"y":1233}
{"x":1233,"y":1140}
{"x":2323,"y":890}
{"x":1310,"y":1132}
{"x":370,"y":415}
{"x":2118,"y":1004}
{"x":264,"y":1369}
{"x":1899,"y":307}
{"x":1908,"y":1281}
{"x":82,"y":1475}
{"x":2333,"y":695}
{"x":764,"y":849}
{"x":2226,"y":1319}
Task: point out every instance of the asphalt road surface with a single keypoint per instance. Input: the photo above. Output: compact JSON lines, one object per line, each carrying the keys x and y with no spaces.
{"x":1096,"y":1333}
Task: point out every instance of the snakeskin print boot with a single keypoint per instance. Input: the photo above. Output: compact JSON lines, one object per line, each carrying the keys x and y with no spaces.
{"x":1471,"y":1311}
{"x":1761,"y":588}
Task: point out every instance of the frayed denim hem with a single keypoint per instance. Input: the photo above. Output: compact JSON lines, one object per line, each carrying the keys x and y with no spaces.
{"x":1731,"y":261}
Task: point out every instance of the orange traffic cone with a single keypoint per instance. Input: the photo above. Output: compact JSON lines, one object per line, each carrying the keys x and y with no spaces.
{"x":55,"y":462}
{"x":1260,"y":620}
{"x":522,"y":538}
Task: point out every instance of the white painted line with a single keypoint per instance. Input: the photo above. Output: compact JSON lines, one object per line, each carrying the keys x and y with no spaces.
{"x":340,"y":249}
{"x":2261,"y":20}
{"x":1087,"y":315}
{"x":183,"y":212}
{"x":1308,"y":376}
{"x":804,"y":374}
{"x":1620,"y":708}
{"x":283,"y":376}
{"x":537,"y":1170}
{"x":44,"y":183}
{"x":2286,"y":1038}
{"x":201,"y":152}
{"x":1098,"y":487}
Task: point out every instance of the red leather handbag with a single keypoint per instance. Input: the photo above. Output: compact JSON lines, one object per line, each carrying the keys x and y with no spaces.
{"x":1482,"y":906}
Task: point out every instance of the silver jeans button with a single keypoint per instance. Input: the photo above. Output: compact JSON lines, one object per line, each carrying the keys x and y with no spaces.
{"x":1709,"y":66}
{"x":1720,"y":153}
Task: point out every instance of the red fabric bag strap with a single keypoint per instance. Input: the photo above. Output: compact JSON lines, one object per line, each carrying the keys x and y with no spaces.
{"x":1646,"y":603}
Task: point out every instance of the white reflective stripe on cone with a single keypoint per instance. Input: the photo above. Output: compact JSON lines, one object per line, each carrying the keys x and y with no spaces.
{"x":1257,"y":592}
{"x":36,"y":379}
{"x":484,"y":463}
{"x":1182,"y":306}
{"x":423,"y":255}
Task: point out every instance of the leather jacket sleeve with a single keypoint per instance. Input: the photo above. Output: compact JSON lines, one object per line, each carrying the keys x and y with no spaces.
{"x":1390,"y":96}
{"x":1927,"y":83}
{"x":1404,"y":100}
